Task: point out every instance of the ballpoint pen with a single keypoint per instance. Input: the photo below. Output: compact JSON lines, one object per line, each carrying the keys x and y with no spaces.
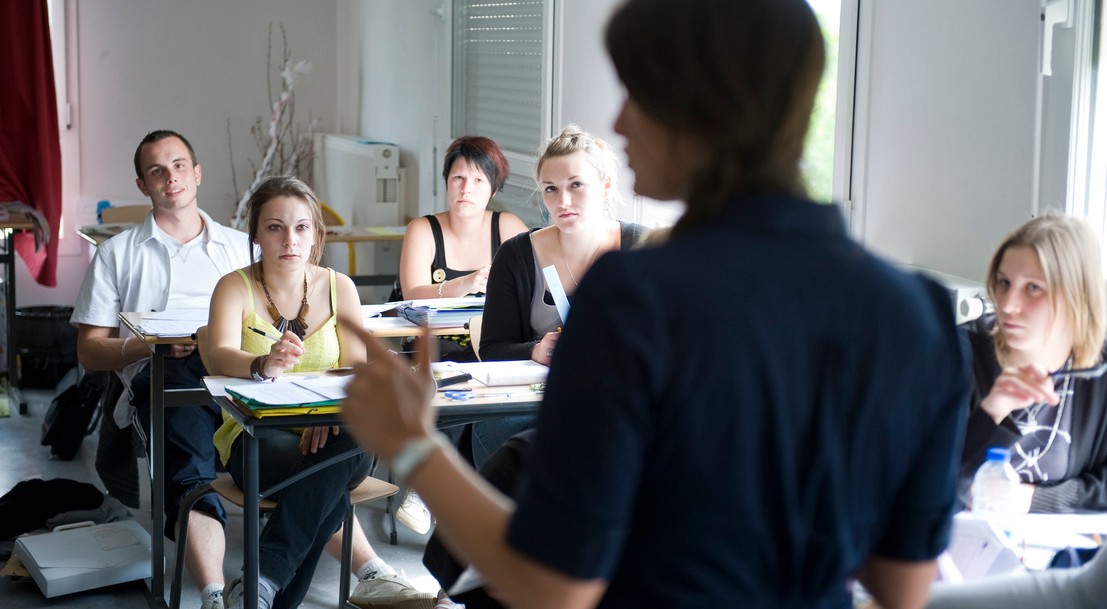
{"x":268,"y":335}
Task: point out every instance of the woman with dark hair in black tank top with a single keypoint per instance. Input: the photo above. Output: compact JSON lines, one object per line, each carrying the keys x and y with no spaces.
{"x":448,"y":254}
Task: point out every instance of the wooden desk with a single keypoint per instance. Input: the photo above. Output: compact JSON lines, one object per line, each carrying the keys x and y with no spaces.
{"x":99,"y":233}
{"x":354,"y":235}
{"x":358,"y":234}
{"x":398,"y":327}
{"x":15,"y":222}
{"x":450,"y":413}
{"x":160,"y":399}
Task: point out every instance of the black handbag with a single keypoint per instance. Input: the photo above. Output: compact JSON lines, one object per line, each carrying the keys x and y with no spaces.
{"x":73,"y":414}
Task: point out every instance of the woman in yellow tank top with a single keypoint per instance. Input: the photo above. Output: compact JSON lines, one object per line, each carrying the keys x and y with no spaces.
{"x":286,"y":293}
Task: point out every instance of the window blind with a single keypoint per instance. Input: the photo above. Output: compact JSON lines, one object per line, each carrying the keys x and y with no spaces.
{"x":499,"y":54}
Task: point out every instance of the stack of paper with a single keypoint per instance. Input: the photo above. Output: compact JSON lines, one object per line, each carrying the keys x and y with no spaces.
{"x":441,"y":312}
{"x":174,"y":323}
{"x":519,"y":372}
{"x":314,"y":393}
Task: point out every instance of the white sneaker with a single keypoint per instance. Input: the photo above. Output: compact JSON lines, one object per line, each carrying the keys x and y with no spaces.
{"x":213,"y":601}
{"x":375,"y":591}
{"x":445,"y":602}
{"x":234,"y":596}
{"x":413,"y":514}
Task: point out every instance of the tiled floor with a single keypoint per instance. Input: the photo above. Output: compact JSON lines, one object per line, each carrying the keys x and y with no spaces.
{"x":23,"y":458}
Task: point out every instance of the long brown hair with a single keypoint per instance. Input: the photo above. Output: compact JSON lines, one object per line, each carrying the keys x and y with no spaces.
{"x":740,"y":76}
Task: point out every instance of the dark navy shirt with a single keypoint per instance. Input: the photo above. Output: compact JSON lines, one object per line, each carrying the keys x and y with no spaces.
{"x":743,"y":416}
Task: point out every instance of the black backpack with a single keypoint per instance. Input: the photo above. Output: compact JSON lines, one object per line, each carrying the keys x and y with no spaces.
{"x":74,"y":412}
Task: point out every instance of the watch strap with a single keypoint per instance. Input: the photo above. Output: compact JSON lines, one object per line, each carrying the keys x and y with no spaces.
{"x":413,"y":454}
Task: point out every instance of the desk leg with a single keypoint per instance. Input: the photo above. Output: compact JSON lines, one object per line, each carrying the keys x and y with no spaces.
{"x":250,"y":516}
{"x":157,"y":477}
{"x":8,"y":258}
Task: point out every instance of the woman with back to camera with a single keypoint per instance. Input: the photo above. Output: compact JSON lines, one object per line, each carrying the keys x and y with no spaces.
{"x":754,"y":361}
{"x":1047,"y":284}
{"x":286,"y":294}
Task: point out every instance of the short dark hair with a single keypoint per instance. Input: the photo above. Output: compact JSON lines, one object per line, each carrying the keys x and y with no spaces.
{"x":157,"y":136}
{"x":482,"y":152}
{"x":287,"y":186}
{"x":738,"y":75}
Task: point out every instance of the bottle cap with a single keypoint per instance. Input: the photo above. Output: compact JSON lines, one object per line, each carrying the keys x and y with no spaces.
{"x":998,"y":454}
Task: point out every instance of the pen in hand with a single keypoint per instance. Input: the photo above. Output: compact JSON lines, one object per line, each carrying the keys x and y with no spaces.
{"x":268,"y":335}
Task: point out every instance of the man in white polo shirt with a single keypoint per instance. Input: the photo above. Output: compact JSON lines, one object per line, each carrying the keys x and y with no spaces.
{"x":170,"y":261}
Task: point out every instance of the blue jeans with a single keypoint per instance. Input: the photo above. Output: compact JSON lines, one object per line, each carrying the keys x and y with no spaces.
{"x":490,"y":434}
{"x":190,"y":456}
{"x":309,"y":511}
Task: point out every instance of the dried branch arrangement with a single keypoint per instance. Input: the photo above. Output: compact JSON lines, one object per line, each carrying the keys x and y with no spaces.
{"x":285,"y":147}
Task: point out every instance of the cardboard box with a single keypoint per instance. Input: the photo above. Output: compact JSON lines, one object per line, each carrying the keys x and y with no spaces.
{"x":89,"y":557}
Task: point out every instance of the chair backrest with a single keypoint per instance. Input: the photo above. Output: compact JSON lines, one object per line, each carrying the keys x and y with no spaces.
{"x":370,"y":488}
{"x":202,"y":346}
{"x":475,"y":324}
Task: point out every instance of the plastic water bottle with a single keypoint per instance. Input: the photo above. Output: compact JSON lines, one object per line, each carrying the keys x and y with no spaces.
{"x":995,"y":484}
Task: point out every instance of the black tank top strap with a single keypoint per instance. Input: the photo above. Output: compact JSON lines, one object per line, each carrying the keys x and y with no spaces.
{"x":439,"y":251}
{"x":495,"y":233}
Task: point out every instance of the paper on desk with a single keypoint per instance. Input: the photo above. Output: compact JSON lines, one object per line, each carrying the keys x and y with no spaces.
{"x":987,"y":545}
{"x":173,"y":322}
{"x":461,"y":302}
{"x":296,"y":390}
{"x":170,"y":328}
{"x":217,"y":385}
{"x":387,"y":323}
{"x":178,"y":315}
{"x":374,"y":310}
{"x":517,"y":372}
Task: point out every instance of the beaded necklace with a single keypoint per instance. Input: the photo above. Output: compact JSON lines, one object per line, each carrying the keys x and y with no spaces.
{"x":297,"y":325}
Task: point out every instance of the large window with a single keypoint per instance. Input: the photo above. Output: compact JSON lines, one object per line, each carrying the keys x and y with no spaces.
{"x":818,"y":156}
{"x":501,"y":76}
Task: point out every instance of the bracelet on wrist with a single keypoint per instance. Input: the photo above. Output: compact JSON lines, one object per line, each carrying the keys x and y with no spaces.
{"x":413,"y":454}
{"x":257,"y":368}
{"x":440,"y":286}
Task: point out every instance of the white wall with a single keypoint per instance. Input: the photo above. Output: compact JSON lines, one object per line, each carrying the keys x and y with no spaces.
{"x":405,"y":90}
{"x":945,"y":126}
{"x":405,"y":83}
{"x":944,"y":147}
{"x":188,"y":66}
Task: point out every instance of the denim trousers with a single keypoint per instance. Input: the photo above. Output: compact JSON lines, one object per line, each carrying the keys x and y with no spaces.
{"x":190,"y":456}
{"x":309,"y":511}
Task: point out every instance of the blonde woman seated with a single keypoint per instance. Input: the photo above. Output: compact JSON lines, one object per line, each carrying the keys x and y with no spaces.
{"x":577,"y":176}
{"x":1048,"y":288}
{"x":287,"y":294}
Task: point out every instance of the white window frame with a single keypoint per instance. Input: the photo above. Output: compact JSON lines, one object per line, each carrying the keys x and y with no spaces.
{"x":1086,"y":194}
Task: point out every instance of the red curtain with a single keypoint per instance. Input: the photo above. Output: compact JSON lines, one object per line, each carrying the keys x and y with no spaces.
{"x":30,"y":153}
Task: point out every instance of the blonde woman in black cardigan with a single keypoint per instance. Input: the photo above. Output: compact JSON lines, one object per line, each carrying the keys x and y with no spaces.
{"x":1048,"y":288}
